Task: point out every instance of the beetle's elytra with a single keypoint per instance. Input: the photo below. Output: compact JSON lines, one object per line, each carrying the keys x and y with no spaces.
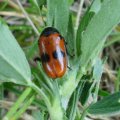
{"x":53,"y":52}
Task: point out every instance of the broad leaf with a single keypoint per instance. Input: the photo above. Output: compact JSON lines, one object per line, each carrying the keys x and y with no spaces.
{"x":99,"y":27}
{"x":13,"y":64}
{"x":94,"y":8}
{"x":108,"y":106}
{"x":62,"y":16}
{"x":58,"y":15}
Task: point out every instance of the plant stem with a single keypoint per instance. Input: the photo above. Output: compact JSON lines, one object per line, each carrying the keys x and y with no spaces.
{"x":117,"y":81}
{"x":55,"y":108}
{"x":25,"y":106}
{"x":84,"y":114}
{"x":41,"y":93}
{"x":18,"y":103}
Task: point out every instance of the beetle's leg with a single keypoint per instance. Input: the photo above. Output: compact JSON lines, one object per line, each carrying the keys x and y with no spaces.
{"x":36,"y":59}
{"x":67,"y":50}
{"x":69,"y":67}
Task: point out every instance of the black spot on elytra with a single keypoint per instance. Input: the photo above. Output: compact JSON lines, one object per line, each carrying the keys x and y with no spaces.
{"x":45,"y":57}
{"x":56,"y":55}
{"x":48,"y":31}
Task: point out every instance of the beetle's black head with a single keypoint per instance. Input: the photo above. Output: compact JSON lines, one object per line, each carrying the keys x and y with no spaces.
{"x":48,"y":31}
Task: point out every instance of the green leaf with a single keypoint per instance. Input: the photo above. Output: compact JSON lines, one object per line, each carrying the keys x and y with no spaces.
{"x":32,"y":50}
{"x":13,"y":64}
{"x":98,"y":29}
{"x":96,"y":6}
{"x":58,"y":15}
{"x":70,"y":37}
{"x":108,"y":106}
{"x":72,"y":106}
{"x":93,"y":82}
{"x":41,"y":2}
{"x":38,"y":115}
{"x":97,"y":74}
{"x":37,"y":4}
{"x":98,"y":69}
{"x":70,"y":1}
{"x":86,"y":92}
{"x":112,"y":39}
{"x":103,"y":93}
{"x":117,"y":81}
{"x":51,"y":11}
{"x":84,"y":23}
{"x":62,"y":16}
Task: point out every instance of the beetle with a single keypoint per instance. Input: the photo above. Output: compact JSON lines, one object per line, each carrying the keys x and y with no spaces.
{"x":52,"y":52}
